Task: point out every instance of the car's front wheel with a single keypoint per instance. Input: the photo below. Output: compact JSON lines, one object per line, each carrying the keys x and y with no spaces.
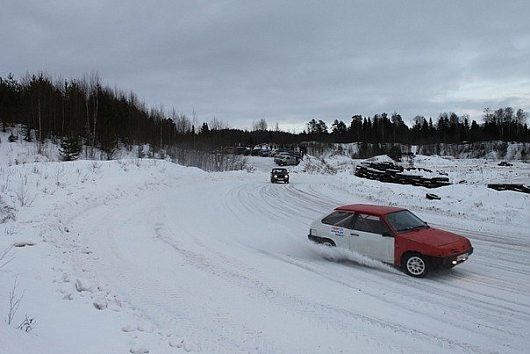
{"x":415,"y":265}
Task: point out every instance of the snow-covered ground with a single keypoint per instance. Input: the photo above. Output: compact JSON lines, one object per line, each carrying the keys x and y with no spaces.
{"x":145,"y":255}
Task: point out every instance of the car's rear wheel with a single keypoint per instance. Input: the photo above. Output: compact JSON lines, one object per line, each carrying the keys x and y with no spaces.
{"x":415,"y":265}
{"x":328,"y":243}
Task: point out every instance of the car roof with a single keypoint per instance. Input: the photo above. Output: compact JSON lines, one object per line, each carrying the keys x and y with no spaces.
{"x":371,"y":209}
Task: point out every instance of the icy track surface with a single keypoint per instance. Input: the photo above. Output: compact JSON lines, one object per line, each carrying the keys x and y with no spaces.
{"x":147,"y":256}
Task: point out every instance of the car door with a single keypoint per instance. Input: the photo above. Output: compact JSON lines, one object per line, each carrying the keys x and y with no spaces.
{"x":371,"y":237}
{"x":337,"y":226}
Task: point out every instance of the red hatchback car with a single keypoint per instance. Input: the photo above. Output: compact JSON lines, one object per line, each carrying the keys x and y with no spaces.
{"x":391,"y":235}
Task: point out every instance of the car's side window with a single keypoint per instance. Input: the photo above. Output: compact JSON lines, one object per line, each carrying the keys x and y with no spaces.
{"x":339,"y":218}
{"x":370,"y":223}
{"x":348,"y":221}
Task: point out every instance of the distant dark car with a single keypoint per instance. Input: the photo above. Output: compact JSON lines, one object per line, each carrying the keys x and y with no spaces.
{"x":279,"y":174}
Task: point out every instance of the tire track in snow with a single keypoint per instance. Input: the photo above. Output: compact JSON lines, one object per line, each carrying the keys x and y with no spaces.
{"x":325,"y":312}
{"x":218,"y":269}
{"x":463,"y":294}
{"x":484,"y":302}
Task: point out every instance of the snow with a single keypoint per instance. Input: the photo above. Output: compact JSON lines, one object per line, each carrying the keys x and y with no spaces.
{"x":146,"y":256}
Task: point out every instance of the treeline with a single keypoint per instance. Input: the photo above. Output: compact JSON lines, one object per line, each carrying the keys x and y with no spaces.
{"x":82,"y":109}
{"x":504,"y":124}
{"x":104,"y":118}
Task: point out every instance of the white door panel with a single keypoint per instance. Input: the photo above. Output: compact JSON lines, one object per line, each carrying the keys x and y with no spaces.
{"x":332,"y":226}
{"x":337,"y":234}
{"x":373,"y":245}
{"x":370,"y":241}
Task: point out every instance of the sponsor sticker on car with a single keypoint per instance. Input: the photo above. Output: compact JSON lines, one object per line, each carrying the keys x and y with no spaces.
{"x":337,"y":231}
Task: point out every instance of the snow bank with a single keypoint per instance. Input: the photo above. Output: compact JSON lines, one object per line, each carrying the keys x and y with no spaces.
{"x":148,"y":256}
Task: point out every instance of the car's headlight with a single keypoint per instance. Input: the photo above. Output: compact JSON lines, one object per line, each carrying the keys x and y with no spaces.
{"x":275,"y":176}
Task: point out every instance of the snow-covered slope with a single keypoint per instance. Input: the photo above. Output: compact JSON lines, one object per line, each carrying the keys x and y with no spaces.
{"x":145,"y":255}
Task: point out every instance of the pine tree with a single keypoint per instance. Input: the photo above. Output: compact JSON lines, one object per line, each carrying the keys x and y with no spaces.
{"x":70,"y":148}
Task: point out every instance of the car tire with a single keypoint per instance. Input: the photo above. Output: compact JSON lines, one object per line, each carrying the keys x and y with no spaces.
{"x":415,"y":265}
{"x":327,"y":243}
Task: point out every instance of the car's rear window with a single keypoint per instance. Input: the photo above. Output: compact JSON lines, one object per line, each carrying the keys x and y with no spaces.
{"x":336,"y":217}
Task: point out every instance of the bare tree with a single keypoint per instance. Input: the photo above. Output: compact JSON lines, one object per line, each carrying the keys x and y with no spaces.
{"x":194,"y":126}
{"x":95,"y":85}
{"x":216,"y":124}
{"x":488,"y":116}
{"x":521,"y":116}
{"x":520,"y":119}
{"x":83,"y":84}
{"x":182,"y":123}
{"x":260,"y":125}
{"x":22,"y":192}
{"x":5,"y":257}
{"x":14,"y":303}
{"x":91,"y":88}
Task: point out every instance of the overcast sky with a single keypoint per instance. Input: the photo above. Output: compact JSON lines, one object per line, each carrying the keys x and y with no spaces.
{"x":284,"y":61}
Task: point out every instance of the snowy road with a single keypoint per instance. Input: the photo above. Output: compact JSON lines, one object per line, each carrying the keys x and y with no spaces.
{"x":158,"y":257}
{"x":222,"y":261}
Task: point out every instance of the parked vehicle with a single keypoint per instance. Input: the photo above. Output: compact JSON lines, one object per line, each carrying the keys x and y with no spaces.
{"x":391,"y":235}
{"x":279,"y":174}
{"x":286,"y":159}
{"x":242,"y":150}
{"x":276,"y":152}
{"x":279,"y":155}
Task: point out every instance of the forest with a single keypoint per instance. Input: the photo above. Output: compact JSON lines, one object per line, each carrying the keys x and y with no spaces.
{"x":87,"y":112}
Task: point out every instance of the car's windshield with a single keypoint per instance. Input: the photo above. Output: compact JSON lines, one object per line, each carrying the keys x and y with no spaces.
{"x":404,"y":220}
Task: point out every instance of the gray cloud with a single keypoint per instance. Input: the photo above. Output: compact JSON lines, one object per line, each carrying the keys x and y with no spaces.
{"x":285,"y":61}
